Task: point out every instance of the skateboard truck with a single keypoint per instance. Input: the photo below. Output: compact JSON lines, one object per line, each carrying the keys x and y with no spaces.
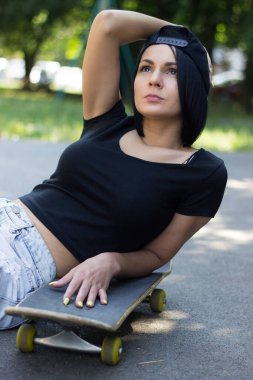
{"x":68,"y":339}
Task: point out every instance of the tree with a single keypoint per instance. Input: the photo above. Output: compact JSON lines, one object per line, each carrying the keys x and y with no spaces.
{"x":26,"y":25}
{"x":240,"y":33}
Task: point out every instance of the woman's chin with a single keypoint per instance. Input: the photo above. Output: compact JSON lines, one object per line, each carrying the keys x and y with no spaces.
{"x":159,"y":115}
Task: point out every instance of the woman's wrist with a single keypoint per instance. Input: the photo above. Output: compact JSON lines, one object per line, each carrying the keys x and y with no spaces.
{"x":113,"y":260}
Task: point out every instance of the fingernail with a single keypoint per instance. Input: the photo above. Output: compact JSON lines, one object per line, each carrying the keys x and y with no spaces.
{"x":52,"y":283}
{"x":104,"y":302}
{"x":90,"y":303}
{"x":80,"y":304}
{"x":66,"y":301}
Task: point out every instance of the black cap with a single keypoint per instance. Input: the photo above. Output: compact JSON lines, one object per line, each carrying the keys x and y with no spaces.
{"x":185,"y":40}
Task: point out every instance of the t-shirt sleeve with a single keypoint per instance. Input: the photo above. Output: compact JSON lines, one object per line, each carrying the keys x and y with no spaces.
{"x":206,"y":200}
{"x":97,"y":125}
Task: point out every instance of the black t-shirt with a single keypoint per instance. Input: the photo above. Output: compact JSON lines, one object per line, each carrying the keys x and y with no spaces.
{"x":101,"y":199}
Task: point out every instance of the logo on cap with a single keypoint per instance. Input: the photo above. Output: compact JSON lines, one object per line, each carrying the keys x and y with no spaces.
{"x":172,"y":41}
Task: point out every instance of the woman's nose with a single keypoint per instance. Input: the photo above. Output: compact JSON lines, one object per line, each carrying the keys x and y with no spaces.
{"x":155,"y":79}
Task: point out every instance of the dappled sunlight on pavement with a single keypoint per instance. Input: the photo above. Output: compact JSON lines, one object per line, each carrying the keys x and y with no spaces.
{"x":156,"y":324}
{"x":245,"y":184}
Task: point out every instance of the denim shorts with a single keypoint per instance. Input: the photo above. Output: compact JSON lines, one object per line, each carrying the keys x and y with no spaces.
{"x":26,"y":264}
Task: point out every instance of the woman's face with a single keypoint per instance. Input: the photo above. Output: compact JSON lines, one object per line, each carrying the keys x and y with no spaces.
{"x":155,"y":85}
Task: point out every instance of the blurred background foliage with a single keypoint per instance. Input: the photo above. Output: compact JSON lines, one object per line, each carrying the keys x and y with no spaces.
{"x":56,"y":30}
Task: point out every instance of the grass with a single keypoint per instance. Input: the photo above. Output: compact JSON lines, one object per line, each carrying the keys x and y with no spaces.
{"x":53,"y":118}
{"x":40,"y":115}
{"x":228,"y":128}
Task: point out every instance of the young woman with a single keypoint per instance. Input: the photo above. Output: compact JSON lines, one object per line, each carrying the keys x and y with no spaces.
{"x":126,"y":196}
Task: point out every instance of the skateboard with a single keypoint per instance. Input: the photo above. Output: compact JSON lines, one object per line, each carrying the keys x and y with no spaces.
{"x":123,"y":297}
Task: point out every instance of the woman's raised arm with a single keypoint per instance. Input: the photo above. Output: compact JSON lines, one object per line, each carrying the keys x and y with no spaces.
{"x":101,"y":65}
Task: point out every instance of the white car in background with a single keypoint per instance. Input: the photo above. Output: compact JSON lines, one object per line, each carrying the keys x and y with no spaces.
{"x":228,"y":85}
{"x":68,"y":79}
{"x":43,"y":73}
{"x":3,"y":67}
{"x":14,"y":68}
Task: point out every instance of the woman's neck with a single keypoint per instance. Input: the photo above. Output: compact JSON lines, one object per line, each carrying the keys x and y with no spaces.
{"x":162,"y":133}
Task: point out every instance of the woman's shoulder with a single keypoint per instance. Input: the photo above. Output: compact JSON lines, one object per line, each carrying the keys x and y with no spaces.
{"x":112,"y":119}
{"x":114,"y":114}
{"x":208,"y":178}
{"x":207,"y":158}
{"x":212,"y":166}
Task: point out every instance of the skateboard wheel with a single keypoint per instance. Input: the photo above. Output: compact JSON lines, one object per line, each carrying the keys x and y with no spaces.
{"x":157,"y":300}
{"x":25,"y":338}
{"x":111,"y":350}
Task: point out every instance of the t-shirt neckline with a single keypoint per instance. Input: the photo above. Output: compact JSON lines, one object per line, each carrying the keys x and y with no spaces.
{"x":194,"y":154}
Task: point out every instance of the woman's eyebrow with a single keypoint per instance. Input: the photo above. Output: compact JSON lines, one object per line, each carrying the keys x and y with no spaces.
{"x":172,"y":63}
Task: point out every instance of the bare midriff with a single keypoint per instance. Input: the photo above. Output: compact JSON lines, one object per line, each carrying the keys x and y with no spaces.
{"x":63,"y":258}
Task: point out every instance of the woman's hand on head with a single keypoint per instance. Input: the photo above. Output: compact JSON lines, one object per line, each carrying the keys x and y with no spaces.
{"x":89,"y":280}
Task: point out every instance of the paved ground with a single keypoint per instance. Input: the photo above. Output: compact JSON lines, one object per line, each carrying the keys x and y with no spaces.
{"x":205,"y":333}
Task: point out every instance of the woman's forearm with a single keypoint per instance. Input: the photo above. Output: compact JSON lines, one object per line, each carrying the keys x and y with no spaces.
{"x":136,"y":264}
{"x":129,"y":26}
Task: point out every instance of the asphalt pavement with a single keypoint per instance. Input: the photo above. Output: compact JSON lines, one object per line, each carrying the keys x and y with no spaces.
{"x":205,"y":332}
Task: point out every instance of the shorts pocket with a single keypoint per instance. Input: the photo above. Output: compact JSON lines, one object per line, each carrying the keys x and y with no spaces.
{"x":15,"y":214}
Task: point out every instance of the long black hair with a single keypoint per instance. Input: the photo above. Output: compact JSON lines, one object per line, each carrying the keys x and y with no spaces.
{"x":192,"y":76}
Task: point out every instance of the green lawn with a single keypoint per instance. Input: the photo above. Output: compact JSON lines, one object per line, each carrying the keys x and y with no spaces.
{"x":53,"y":118}
{"x":40,"y":116}
{"x":228,"y":129}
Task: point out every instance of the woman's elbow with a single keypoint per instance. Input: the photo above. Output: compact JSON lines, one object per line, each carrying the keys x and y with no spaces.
{"x":106,"y":21}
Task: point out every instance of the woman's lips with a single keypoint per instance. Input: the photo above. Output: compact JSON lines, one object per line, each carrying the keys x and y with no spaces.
{"x":153,"y":98}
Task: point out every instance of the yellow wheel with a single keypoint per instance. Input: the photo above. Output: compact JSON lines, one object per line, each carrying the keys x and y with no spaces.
{"x":157,"y":300}
{"x":25,"y":338}
{"x":111,"y":350}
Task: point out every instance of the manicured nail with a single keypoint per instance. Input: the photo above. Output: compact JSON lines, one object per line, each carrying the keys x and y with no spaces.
{"x":104,"y":302}
{"x":90,"y":303}
{"x":66,"y":301}
{"x":80,"y":304}
{"x":52,"y":283}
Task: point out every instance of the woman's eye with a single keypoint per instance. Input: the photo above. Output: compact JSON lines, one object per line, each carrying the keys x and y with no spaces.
{"x":172,"y":71}
{"x":145,"y":69}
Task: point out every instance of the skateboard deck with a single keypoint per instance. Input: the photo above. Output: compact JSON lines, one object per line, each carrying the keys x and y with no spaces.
{"x":123,"y":297}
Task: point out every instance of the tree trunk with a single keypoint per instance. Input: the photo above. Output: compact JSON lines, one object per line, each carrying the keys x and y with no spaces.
{"x":29,"y":58}
{"x":248,"y":84}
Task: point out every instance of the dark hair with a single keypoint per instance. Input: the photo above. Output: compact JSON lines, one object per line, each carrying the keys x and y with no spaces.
{"x":193,"y":79}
